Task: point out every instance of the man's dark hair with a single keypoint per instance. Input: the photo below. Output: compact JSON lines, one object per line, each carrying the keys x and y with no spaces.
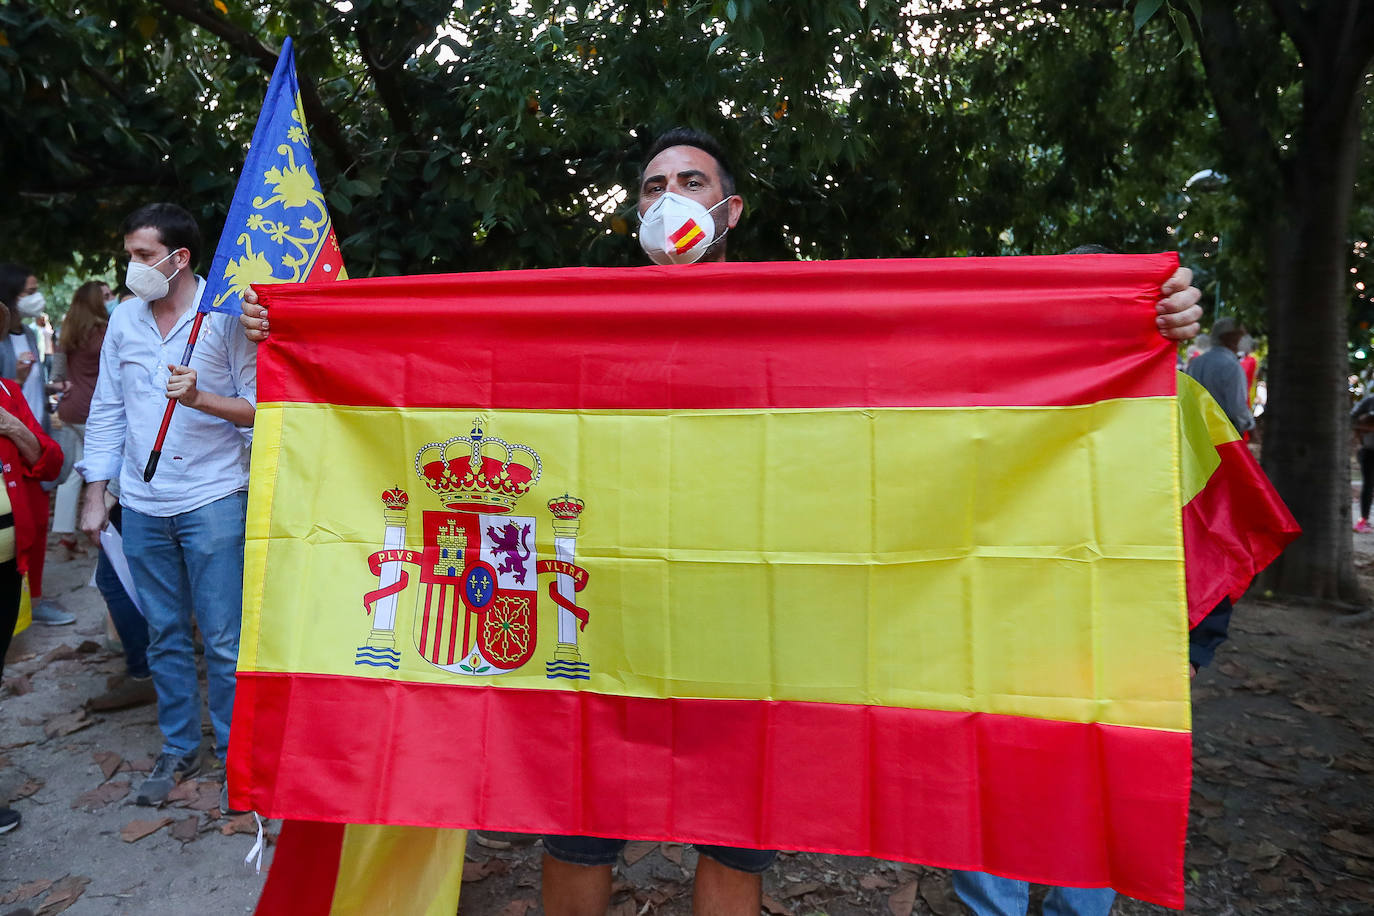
{"x":175,"y":227}
{"x":12,"y":280}
{"x":686,"y":136}
{"x":1090,"y":249}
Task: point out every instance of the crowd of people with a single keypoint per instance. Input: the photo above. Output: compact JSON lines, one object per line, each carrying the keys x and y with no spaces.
{"x":111,"y":370}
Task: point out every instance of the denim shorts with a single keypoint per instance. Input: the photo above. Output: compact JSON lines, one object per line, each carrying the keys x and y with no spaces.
{"x":595,"y":850}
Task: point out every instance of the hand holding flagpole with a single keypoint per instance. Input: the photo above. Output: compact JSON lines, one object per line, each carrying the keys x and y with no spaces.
{"x":150,"y":468}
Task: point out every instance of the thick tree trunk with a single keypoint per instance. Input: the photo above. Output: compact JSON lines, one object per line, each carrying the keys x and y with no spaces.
{"x":1306,"y":438}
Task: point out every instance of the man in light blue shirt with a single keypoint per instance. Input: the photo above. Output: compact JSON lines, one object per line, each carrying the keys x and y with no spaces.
{"x":183,"y":531}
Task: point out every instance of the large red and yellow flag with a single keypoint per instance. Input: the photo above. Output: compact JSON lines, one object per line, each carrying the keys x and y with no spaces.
{"x":876,"y":558}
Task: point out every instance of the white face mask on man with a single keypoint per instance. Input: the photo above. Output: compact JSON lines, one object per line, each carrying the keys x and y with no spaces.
{"x":147,"y":282}
{"x":677,"y":229}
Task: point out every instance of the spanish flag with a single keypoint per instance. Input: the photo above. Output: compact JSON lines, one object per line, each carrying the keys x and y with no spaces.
{"x":873,"y":558}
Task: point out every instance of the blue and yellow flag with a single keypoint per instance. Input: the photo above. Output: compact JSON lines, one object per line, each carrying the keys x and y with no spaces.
{"x":278,"y":230}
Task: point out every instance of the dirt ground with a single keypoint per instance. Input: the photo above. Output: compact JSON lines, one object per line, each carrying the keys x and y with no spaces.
{"x":1282,"y":812}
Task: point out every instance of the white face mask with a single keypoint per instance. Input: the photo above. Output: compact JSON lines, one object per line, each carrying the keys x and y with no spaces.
{"x":677,"y":229}
{"x":31,"y":306}
{"x":147,"y":282}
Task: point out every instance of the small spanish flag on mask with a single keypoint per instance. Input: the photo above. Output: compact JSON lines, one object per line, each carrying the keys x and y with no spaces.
{"x":687,"y":236}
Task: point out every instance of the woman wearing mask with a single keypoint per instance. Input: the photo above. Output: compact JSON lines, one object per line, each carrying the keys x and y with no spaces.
{"x":28,"y":456}
{"x":19,"y":361}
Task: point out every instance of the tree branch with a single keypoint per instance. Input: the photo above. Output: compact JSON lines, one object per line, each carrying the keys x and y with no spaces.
{"x":1294,"y":21}
{"x":323,"y":123}
{"x":1233,"y":84}
{"x":388,"y":87}
{"x":1005,"y":9}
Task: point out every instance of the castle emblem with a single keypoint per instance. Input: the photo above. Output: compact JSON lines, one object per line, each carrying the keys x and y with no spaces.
{"x":476,"y":607}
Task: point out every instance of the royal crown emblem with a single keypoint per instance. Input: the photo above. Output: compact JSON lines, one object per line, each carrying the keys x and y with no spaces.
{"x":476,"y":602}
{"x":481,"y":475}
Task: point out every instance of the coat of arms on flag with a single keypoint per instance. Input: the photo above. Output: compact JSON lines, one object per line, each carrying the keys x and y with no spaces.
{"x":475,"y":605}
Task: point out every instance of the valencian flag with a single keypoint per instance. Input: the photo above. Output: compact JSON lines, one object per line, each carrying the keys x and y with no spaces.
{"x":870,"y":557}
{"x":278,"y":229}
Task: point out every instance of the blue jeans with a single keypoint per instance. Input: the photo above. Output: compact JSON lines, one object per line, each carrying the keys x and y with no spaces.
{"x":128,"y":622}
{"x":595,"y":850}
{"x":989,"y":895}
{"x":187,"y":564}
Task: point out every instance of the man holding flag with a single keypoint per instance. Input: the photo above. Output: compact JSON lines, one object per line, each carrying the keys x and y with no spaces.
{"x":183,"y":531}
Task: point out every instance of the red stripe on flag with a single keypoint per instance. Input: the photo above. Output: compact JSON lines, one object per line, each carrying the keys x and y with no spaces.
{"x":1233,"y":528}
{"x":1054,"y":802}
{"x":721,"y":336}
{"x":305,"y":870}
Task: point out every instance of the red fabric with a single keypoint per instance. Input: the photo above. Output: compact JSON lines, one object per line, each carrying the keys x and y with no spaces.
{"x":708,"y":336}
{"x":1057,"y":802}
{"x":28,"y":500}
{"x":305,"y":868}
{"x":1235,"y":527}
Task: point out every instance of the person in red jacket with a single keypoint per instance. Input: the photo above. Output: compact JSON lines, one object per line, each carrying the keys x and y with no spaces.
{"x":28,"y":456}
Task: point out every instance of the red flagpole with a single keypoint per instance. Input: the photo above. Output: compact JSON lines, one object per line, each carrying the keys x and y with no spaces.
{"x":151,"y":467}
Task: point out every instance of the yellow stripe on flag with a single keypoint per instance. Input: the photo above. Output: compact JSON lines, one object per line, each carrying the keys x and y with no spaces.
{"x":415,"y":871}
{"x":796,"y":584}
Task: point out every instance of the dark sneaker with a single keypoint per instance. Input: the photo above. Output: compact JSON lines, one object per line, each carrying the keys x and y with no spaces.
{"x":167,"y":772}
{"x":224,"y":808}
{"x":51,"y":613}
{"x":125,"y":693}
{"x":9,"y":819}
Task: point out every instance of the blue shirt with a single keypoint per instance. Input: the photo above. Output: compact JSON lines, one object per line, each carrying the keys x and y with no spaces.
{"x":204,"y":458}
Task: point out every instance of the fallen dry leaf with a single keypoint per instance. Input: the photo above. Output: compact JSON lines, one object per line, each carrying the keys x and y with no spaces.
{"x":88,"y":647}
{"x":516,"y":908}
{"x":244,"y":823}
{"x":1350,"y":842}
{"x":774,"y":908}
{"x":102,"y":795}
{"x":139,"y":764}
{"x":29,"y":786}
{"x":939,"y":896}
{"x":63,"y":894}
{"x":1353,"y":889}
{"x":901,"y":901}
{"x":26,"y":891}
{"x":636,"y":851}
{"x":1321,"y":709}
{"x":1270,"y":884}
{"x":19,"y":684}
{"x":1354,"y":763}
{"x":60,"y":653}
{"x":791,"y":892}
{"x":134,"y":831}
{"x":476,"y":871}
{"x":67,"y":723}
{"x":875,"y":882}
{"x":671,"y":851}
{"x":183,"y":792}
{"x":186,"y":829}
{"x":109,"y":762}
{"x":1260,"y":856}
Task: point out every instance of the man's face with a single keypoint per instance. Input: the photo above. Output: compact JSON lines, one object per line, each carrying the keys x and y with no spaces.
{"x":684,"y":170}
{"x":692,"y":173}
{"x":145,"y":246}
